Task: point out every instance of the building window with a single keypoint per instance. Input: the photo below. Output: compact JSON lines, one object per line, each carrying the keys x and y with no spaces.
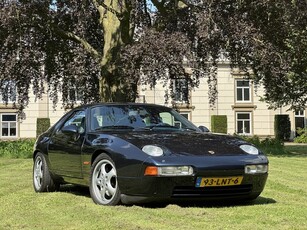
{"x":243,"y":91}
{"x":186,"y":115}
{"x":180,"y":90}
{"x":8,"y":91}
{"x":300,"y":113}
{"x":244,"y":123}
{"x":8,"y":125}
{"x":75,"y":95}
{"x":79,"y":96}
{"x":300,"y":120}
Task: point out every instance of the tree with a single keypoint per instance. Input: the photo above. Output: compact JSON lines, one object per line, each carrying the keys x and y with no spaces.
{"x":105,"y":48}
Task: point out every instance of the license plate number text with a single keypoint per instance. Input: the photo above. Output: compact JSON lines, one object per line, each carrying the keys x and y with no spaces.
{"x":218,"y":181}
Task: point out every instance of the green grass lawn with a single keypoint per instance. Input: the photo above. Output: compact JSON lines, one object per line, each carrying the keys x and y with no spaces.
{"x":282,"y":205}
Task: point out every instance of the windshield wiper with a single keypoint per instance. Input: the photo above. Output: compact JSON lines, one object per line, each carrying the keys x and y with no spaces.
{"x":166,"y":126}
{"x":162,"y":126}
{"x":188,"y":129}
{"x":115,"y":127}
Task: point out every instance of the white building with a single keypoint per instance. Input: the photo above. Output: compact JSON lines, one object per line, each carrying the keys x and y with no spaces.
{"x":236,"y":99}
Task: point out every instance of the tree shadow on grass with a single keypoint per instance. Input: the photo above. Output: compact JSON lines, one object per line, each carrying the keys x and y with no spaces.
{"x":84,"y":191}
{"x":259,"y":201}
{"x":211,"y":204}
{"x":263,"y":200}
{"x":75,"y":190}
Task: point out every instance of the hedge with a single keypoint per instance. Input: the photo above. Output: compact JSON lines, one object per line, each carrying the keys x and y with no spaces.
{"x":219,"y":123}
{"x":282,"y":127}
{"x":17,"y":148}
{"x":42,"y":124}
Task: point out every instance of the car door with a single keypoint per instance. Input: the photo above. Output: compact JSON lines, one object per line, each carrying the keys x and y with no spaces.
{"x":65,"y":146}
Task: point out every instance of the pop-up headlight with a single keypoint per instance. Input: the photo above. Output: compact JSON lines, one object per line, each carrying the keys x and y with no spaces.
{"x":153,"y":150}
{"x":250,"y":149}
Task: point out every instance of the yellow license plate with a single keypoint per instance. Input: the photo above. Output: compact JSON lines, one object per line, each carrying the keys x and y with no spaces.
{"x":218,"y":181}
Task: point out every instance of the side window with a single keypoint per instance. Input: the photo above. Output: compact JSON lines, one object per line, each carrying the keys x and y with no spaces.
{"x":77,"y":119}
{"x":167,"y":118}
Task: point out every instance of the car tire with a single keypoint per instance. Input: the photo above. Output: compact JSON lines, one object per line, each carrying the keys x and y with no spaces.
{"x":42,"y":180}
{"x":104,"y":187}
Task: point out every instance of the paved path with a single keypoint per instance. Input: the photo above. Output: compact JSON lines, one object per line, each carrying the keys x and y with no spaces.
{"x":293,"y":143}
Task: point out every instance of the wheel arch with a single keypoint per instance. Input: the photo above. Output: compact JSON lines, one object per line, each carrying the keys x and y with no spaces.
{"x":99,"y":152}
{"x":47,"y":181}
{"x":36,"y":151}
{"x":34,"y":154}
{"x":99,"y":158}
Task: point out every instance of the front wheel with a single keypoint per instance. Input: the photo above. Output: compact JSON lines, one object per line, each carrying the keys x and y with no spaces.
{"x":42,"y":180}
{"x":104,"y":187}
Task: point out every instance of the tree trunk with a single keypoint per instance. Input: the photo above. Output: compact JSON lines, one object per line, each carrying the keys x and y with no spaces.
{"x":116,"y":34}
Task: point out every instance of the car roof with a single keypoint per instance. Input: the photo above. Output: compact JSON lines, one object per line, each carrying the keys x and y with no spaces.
{"x":85,"y":106}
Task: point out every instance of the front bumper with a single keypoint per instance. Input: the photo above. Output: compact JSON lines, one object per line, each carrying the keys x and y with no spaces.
{"x":163,"y":188}
{"x":149,"y":189}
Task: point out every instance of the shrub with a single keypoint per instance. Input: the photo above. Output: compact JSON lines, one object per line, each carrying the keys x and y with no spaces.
{"x":219,"y":123}
{"x":282,"y":127}
{"x":255,"y":140}
{"x":17,"y":149}
{"x":42,"y":124}
{"x":302,"y":138}
{"x":268,"y":145}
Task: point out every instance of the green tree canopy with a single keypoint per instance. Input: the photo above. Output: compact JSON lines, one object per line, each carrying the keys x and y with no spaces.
{"x":105,"y":48}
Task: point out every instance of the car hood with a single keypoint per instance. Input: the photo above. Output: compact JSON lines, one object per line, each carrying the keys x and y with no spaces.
{"x":186,"y":143}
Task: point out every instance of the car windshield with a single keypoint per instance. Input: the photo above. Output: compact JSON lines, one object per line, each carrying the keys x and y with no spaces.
{"x":138,"y":117}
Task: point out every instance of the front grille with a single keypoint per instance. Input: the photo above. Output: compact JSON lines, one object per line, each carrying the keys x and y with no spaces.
{"x":207,"y":192}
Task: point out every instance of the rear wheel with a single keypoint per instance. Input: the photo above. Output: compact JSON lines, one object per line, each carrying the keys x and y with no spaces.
{"x":104,"y":187}
{"x":42,"y":180}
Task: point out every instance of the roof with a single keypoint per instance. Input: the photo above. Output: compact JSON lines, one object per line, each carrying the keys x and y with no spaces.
{"x":85,"y":106}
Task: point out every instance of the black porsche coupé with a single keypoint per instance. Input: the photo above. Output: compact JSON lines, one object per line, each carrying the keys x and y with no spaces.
{"x":136,"y":153}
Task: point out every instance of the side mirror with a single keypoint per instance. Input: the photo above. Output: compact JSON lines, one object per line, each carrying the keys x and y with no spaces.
{"x":204,"y":129}
{"x":70,"y":129}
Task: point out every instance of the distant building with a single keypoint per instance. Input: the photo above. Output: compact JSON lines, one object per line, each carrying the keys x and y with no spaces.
{"x":236,"y":99}
{"x":13,"y":128}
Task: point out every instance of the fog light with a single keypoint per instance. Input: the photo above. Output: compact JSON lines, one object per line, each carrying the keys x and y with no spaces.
{"x":175,"y":171}
{"x":169,"y":171}
{"x":256,"y":169}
